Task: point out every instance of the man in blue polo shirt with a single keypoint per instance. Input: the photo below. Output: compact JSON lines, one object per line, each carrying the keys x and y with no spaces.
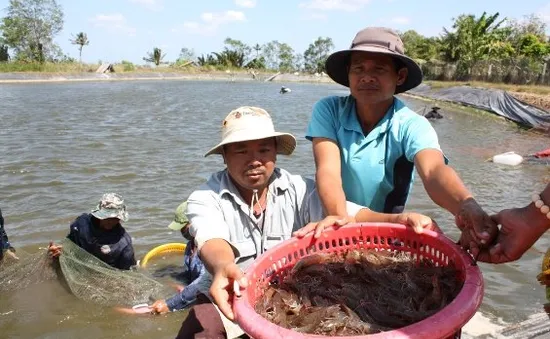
{"x":367,"y":145}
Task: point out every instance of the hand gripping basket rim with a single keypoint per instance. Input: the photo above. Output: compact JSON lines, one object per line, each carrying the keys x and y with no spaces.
{"x":435,"y":246}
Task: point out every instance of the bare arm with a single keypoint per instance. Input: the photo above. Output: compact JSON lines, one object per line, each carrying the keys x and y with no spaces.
{"x":538,"y":221}
{"x":328,"y":176}
{"x":521,"y":227}
{"x":441,"y":182}
{"x":545,"y":196}
{"x":216,"y":254}
{"x":447,"y":190}
{"x":367,"y":215}
{"x":219,"y":259}
{"x":418,"y":222}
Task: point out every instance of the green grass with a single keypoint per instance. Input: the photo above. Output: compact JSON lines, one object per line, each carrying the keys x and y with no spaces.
{"x":47,"y":67}
{"x":123,"y":67}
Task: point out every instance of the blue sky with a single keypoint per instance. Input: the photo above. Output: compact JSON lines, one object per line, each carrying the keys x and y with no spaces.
{"x":128,"y":29}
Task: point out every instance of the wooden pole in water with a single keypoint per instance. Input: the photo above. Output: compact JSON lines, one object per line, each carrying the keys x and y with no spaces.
{"x":272,"y":77}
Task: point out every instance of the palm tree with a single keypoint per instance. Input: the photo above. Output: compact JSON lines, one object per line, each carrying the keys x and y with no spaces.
{"x":230,"y":58}
{"x":257,"y":48}
{"x":81,"y":39}
{"x":207,"y":60}
{"x":472,"y":39}
{"x":4,"y":55}
{"x":155,"y":57}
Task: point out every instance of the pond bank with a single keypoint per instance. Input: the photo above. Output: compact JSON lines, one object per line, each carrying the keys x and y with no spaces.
{"x":25,"y":77}
{"x":540,"y":100}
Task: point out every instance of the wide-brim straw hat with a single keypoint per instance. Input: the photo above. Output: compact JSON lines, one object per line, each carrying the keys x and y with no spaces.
{"x":375,"y":40}
{"x":252,"y":123}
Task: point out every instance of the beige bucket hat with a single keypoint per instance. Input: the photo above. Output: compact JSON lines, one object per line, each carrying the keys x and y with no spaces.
{"x":252,"y":123}
{"x":375,"y":40}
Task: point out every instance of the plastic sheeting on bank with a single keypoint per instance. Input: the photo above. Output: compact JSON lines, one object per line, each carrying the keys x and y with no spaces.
{"x":496,"y":101}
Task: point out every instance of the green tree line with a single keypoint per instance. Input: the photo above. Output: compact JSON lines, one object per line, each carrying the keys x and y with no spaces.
{"x":472,"y":45}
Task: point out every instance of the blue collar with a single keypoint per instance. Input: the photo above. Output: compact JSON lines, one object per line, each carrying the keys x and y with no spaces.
{"x":351,"y":121}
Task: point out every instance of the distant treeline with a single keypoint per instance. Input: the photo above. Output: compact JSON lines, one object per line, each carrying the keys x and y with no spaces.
{"x":486,"y":47}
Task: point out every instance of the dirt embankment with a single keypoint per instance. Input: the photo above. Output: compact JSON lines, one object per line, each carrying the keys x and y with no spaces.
{"x":538,"y":100}
{"x":23,"y":77}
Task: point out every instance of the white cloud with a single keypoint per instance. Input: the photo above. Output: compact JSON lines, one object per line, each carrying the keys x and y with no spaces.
{"x":315,"y":16}
{"x":210,"y":22}
{"x":222,"y":18}
{"x":246,"y":3}
{"x":153,"y":5}
{"x":113,"y":22}
{"x":400,"y":20}
{"x":328,"y":5}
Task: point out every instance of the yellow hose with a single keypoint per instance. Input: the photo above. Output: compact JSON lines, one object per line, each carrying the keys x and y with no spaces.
{"x":162,"y":249}
{"x":544,"y":276}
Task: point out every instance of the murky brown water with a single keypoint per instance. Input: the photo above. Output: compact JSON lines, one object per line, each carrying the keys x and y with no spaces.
{"x":63,"y":145}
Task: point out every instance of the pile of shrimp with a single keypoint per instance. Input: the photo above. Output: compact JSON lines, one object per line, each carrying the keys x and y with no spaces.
{"x":358,"y":293}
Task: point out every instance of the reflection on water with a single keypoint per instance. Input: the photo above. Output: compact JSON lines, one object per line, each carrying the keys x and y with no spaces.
{"x":63,"y":145}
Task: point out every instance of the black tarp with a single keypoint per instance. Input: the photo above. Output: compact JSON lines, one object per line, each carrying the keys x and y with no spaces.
{"x":492,"y":100}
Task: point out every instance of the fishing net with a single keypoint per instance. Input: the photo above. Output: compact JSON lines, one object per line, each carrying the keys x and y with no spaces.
{"x":86,"y":276}
{"x":358,"y":292}
{"x":29,"y":269}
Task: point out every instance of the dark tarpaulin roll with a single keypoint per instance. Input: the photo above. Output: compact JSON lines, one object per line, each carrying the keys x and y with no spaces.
{"x":492,"y":100}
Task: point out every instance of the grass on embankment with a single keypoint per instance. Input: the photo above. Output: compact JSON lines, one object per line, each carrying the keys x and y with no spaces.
{"x":46,"y":67}
{"x":124,"y":67}
{"x":128,"y":67}
{"x":535,"y":89}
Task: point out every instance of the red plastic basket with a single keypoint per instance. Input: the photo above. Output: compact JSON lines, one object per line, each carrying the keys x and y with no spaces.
{"x":276,"y":263}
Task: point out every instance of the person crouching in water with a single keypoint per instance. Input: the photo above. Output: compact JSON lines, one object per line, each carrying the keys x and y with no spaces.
{"x":434,"y":113}
{"x":194,"y":271}
{"x":4,"y":242}
{"x":101,"y":234}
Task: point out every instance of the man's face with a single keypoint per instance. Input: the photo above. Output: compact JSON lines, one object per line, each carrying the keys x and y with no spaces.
{"x":108,"y":223}
{"x":373,"y":77}
{"x":251,"y":163}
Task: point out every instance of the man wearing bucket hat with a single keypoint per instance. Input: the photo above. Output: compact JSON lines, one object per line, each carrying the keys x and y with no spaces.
{"x":101,"y":233}
{"x":248,"y":208}
{"x":194,"y":272}
{"x":367,"y":145}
